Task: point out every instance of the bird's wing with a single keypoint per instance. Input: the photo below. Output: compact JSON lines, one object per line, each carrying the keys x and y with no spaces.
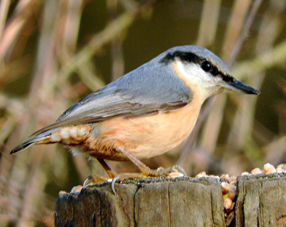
{"x":146,"y":90}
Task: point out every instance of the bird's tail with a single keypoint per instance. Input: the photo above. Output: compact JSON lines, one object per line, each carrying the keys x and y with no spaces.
{"x":41,"y":138}
{"x":69,"y":135}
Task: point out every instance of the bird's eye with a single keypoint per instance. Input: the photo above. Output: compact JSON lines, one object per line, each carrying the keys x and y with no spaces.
{"x":206,"y":66}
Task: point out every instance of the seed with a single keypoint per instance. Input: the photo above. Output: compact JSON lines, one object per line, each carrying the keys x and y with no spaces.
{"x":227,"y":203}
{"x":232,"y":193}
{"x":201,"y":174}
{"x":225,"y":187}
{"x":175,"y":175}
{"x":268,"y":168}
{"x":256,"y":171}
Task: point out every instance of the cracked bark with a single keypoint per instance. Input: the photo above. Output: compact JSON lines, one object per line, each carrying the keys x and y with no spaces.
{"x":185,"y":201}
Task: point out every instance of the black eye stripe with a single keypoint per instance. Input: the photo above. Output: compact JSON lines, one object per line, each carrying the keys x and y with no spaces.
{"x":191,"y":57}
{"x":184,"y":56}
{"x":215,"y":71}
{"x":208,"y":67}
{"x":227,"y":78}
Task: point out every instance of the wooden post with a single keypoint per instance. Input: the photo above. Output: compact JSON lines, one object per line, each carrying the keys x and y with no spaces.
{"x":261,"y":200}
{"x":184,"y":201}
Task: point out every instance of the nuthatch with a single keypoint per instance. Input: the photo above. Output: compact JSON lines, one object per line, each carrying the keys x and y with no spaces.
{"x":146,"y":112}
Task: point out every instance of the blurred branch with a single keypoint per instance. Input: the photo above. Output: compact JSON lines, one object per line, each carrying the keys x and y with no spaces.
{"x":13,"y":31}
{"x":12,"y":70}
{"x":241,"y":127}
{"x":193,"y":136}
{"x":244,"y":32}
{"x":107,"y":35}
{"x":209,"y":22}
{"x":116,"y":44}
{"x":213,"y":124}
{"x":13,"y":106}
{"x":6,"y":129}
{"x":275,"y":150}
{"x":72,"y":16}
{"x":93,"y":82}
{"x":234,"y":26}
{"x":4,"y":6}
{"x":261,"y":62}
{"x":71,"y":19}
{"x":270,"y":26}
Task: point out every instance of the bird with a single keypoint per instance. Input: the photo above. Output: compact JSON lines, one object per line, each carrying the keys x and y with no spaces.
{"x":145,"y":113}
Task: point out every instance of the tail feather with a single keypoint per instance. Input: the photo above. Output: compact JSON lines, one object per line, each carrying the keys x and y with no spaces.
{"x":23,"y":146}
{"x":34,"y":140}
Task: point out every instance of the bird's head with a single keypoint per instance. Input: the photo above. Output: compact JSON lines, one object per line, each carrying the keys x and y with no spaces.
{"x":203,"y":71}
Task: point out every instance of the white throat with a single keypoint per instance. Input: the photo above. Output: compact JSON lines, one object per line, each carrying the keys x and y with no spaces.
{"x":195,"y":77}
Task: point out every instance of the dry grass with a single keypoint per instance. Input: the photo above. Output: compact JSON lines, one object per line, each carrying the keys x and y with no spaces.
{"x":53,"y":52}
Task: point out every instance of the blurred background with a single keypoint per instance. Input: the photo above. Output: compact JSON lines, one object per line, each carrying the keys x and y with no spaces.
{"x":54,"y":52}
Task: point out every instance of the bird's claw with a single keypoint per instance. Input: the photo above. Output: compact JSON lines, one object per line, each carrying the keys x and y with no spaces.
{"x":173,"y":172}
{"x":94,"y":179}
{"x":125,"y":176}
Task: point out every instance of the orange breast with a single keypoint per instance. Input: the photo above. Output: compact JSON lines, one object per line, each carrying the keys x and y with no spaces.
{"x":144,"y":137}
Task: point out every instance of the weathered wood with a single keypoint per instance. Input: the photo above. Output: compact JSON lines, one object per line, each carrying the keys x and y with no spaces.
{"x":261,"y":200}
{"x":185,"y":201}
{"x":148,"y":202}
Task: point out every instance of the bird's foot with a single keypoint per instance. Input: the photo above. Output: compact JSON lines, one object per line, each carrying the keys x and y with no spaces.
{"x":125,"y":176}
{"x":172,"y":172}
{"x":90,"y":180}
{"x":95,"y":179}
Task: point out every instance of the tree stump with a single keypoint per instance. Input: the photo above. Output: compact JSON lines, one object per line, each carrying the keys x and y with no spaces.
{"x":186,"y":201}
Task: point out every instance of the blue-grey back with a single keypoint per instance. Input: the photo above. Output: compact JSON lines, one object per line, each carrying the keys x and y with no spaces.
{"x":153,"y":87}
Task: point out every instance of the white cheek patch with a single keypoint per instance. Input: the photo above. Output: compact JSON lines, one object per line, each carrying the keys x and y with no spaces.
{"x":192,"y":71}
{"x":196,"y":75}
{"x":193,"y":75}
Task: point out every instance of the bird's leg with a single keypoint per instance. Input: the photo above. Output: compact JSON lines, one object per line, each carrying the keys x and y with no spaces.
{"x":146,"y":171}
{"x":95,"y":179}
{"x":111,"y":173}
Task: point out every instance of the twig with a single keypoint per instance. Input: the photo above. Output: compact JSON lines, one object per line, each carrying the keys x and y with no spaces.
{"x":261,"y":62}
{"x":4,"y":6}
{"x":243,"y":33}
{"x":112,"y":30}
{"x":193,"y":136}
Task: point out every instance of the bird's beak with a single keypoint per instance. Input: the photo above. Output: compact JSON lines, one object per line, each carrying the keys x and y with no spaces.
{"x":236,"y":85}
